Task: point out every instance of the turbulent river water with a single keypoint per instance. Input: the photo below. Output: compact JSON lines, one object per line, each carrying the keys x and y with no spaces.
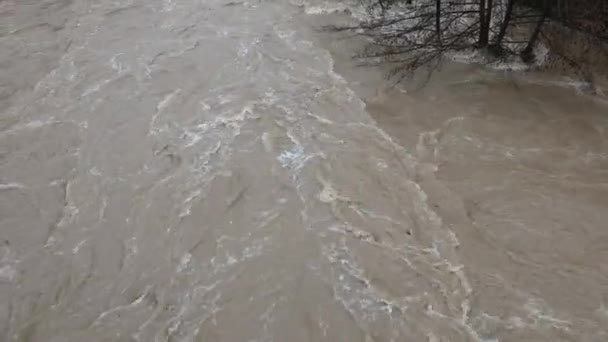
{"x":199,"y":170}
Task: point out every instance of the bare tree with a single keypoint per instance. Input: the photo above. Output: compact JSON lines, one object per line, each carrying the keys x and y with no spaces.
{"x":527,"y":54}
{"x":421,"y":32}
{"x":483,"y":31}
{"x":505,"y":24}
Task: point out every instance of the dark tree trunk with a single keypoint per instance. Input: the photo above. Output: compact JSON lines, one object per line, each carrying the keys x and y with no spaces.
{"x":489,"y":8}
{"x":505,"y":23}
{"x":528,"y":53}
{"x":438,"y":20}
{"x":488,"y":21}
{"x":483,"y":32}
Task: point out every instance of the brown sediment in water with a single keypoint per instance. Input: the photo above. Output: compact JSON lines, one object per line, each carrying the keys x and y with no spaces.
{"x":205,"y":171}
{"x":516,"y":164}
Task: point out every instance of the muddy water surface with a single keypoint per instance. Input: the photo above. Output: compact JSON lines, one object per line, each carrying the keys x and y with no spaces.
{"x":201,"y":171}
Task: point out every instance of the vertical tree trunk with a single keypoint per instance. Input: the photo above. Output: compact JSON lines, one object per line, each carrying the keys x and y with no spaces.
{"x":438,"y":20}
{"x":483,"y":34}
{"x":527,"y":54}
{"x":505,"y":24}
{"x":488,"y":21}
{"x":489,"y":8}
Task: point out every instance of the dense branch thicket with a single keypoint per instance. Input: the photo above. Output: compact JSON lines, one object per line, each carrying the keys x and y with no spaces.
{"x":589,"y":16}
{"x":411,"y":34}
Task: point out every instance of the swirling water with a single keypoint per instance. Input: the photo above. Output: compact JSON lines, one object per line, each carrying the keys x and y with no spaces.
{"x":198,"y":171}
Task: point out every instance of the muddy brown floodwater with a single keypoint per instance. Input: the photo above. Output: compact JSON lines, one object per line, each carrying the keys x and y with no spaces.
{"x":221,"y":171}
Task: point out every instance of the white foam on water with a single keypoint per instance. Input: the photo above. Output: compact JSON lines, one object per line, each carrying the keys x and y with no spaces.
{"x":168,"y":5}
{"x":355,"y":9}
{"x":32,"y":125}
{"x":77,"y":248}
{"x":12,"y":186}
{"x":184,"y":262}
{"x":320,"y":118}
{"x":191,"y":138}
{"x":116,"y":65}
{"x":70,"y":211}
{"x":581,"y":87}
{"x":99,"y":320}
{"x":166,"y":100}
{"x":7,"y":273}
{"x":293,"y":158}
{"x":541,"y":314}
{"x":95,"y":88}
{"x":327,"y":8}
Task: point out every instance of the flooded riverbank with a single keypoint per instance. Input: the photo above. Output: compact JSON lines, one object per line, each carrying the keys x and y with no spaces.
{"x":515,"y":164}
{"x":219,"y":171}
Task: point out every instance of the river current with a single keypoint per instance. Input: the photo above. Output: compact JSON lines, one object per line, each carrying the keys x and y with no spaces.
{"x":216,"y":170}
